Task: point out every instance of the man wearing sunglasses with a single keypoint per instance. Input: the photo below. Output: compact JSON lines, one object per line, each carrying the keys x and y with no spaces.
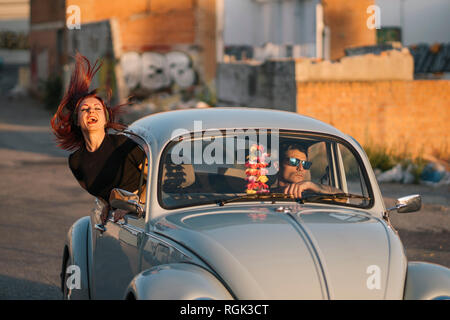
{"x":294,"y":176}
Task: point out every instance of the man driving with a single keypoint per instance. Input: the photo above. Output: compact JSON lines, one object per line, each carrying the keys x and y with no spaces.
{"x":294,"y":176}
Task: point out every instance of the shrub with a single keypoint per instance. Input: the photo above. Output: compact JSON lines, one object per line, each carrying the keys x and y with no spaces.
{"x":417,"y":168}
{"x":380,"y":158}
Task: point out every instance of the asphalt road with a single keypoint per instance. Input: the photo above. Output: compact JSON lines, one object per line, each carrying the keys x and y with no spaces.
{"x":40,"y":200}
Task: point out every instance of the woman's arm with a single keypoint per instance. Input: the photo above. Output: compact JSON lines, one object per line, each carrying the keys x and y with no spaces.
{"x":105,"y":210}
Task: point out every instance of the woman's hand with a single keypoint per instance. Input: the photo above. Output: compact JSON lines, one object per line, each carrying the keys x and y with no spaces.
{"x":119,"y":214}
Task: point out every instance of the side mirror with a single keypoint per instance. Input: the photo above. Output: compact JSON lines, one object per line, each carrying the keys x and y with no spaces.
{"x":407,"y":204}
{"x":125,"y":200}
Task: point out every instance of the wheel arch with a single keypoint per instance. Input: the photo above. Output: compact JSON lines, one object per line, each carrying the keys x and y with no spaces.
{"x":425,"y":281}
{"x":76,"y":254}
{"x":177,"y":281}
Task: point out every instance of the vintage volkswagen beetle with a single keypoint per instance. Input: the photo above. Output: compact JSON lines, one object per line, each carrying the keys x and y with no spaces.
{"x":211,"y":228}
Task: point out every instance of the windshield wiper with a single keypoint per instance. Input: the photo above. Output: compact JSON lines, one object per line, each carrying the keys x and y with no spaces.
{"x":282,"y":196}
{"x":332,"y":196}
{"x":258,"y":196}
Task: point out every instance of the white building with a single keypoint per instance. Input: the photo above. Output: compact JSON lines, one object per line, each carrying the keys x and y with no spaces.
{"x":421,"y":21}
{"x":257,"y":23}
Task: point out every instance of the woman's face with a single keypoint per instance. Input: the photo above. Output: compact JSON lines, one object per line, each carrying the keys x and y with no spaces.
{"x":91,"y":115}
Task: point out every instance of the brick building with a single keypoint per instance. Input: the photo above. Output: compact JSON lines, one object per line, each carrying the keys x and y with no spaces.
{"x":190,"y":26}
{"x":47,"y":19}
{"x":136,"y":26}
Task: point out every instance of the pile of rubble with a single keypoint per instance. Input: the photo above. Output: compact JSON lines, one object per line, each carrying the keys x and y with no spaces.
{"x":433,"y":174}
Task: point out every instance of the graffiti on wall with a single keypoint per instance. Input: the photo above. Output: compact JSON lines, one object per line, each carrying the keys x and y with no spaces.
{"x":154,"y":71}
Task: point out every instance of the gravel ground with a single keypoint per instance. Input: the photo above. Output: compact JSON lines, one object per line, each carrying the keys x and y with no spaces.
{"x":425,"y":234}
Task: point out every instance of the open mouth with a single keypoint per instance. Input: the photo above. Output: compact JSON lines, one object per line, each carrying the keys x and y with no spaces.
{"x":92,"y":120}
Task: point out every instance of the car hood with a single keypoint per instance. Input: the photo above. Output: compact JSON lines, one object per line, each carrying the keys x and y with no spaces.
{"x":289,"y":251}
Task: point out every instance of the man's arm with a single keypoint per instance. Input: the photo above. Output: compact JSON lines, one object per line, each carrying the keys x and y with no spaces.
{"x":296,"y":189}
{"x":321,"y":188}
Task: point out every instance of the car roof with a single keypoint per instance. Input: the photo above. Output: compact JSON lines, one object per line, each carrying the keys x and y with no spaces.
{"x":164,"y":126}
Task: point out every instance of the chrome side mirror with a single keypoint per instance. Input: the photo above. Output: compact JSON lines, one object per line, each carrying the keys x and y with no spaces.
{"x":407,"y":204}
{"x":125,"y":200}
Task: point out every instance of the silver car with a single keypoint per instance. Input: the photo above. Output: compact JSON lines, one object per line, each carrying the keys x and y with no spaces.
{"x":215,"y":220}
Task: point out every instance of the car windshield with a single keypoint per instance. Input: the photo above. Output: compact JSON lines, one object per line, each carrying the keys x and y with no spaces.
{"x":260,"y":165}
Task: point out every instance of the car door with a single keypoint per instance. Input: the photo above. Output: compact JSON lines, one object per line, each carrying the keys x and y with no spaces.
{"x":116,"y":248}
{"x":116,"y":256}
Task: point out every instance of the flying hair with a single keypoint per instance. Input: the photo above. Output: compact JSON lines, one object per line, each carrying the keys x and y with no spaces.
{"x":64,"y":121}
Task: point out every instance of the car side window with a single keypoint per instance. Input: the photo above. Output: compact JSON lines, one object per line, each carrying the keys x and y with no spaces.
{"x":319,"y":171}
{"x":143,"y":167}
{"x":143,"y":180}
{"x":352,"y":173}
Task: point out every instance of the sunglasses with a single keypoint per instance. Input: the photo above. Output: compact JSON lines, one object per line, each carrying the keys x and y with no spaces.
{"x":294,"y":162}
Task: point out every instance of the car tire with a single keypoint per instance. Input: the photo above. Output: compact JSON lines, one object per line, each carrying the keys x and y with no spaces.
{"x":65,"y":290}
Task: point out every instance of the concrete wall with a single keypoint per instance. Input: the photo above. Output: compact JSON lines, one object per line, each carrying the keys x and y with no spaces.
{"x":389,"y":65}
{"x":14,"y":15}
{"x":15,"y":25}
{"x":14,"y":9}
{"x":46,"y":54}
{"x":267,"y":85}
{"x":94,"y":41}
{"x":17,"y":57}
{"x":401,"y":115}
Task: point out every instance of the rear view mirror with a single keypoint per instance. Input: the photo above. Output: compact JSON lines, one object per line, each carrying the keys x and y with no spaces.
{"x":125,"y":200}
{"x":407,"y":204}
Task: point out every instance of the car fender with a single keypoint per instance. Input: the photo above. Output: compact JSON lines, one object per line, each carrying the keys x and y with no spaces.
{"x":75,"y":251}
{"x":426,"y":281}
{"x":178,"y":281}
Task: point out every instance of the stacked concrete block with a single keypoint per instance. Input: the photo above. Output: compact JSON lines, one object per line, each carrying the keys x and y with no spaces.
{"x":266,"y":85}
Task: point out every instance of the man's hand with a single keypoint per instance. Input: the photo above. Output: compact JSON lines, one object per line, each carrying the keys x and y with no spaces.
{"x":119,"y":214}
{"x":296,"y":189}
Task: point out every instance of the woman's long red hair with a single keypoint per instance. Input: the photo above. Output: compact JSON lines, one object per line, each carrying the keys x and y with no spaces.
{"x":64,"y":122}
